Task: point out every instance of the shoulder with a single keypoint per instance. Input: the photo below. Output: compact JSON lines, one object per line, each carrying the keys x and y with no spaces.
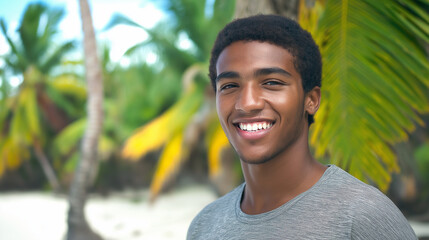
{"x":373,"y":214}
{"x":218,"y":211}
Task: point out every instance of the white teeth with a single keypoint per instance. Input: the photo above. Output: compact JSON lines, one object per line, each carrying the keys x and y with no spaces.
{"x":255,"y":126}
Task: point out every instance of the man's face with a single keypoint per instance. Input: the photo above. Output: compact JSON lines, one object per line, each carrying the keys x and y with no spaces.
{"x":259,"y":100}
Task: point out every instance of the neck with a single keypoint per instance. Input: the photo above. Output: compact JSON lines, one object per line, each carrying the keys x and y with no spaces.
{"x":271,"y":184}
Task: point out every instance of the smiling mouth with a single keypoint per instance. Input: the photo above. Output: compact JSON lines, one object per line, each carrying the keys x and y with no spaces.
{"x":255,"y":126}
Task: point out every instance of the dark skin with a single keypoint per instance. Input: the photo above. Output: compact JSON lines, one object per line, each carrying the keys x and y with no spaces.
{"x":263,"y":110}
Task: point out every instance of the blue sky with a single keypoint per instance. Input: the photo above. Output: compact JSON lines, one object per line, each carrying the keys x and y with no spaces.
{"x":121,"y":38}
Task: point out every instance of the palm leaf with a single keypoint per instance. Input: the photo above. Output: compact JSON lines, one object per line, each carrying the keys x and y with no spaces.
{"x":168,"y":165}
{"x":29,"y":28}
{"x":32,"y":113}
{"x":2,"y":165}
{"x":15,"y":60}
{"x":216,"y":143}
{"x":156,"y":133}
{"x":69,"y":137}
{"x":54,"y":16}
{"x":55,"y":58}
{"x":68,"y":93}
{"x":11,"y":155}
{"x":69,"y":85}
{"x":19,"y":128}
{"x":375,"y":78}
{"x":161,"y":38}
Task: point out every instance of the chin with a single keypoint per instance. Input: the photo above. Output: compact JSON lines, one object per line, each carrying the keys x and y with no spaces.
{"x":255,"y":159}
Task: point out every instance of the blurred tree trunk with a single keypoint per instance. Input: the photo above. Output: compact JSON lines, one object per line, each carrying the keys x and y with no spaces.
{"x":78,"y":227}
{"x":245,"y":8}
{"x":46,"y":167}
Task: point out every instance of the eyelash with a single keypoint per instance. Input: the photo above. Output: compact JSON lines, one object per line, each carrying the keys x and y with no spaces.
{"x":268,"y":83}
{"x":227,"y":86}
{"x":273,"y":82}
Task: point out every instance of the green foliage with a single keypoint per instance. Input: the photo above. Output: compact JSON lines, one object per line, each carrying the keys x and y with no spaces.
{"x":375,"y":83}
{"x":35,"y":45}
{"x":422,"y":156}
{"x":27,"y":114}
{"x":178,"y":130}
{"x":201,"y":27}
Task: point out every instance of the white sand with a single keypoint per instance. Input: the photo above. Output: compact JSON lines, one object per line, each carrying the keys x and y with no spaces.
{"x":122,"y":216}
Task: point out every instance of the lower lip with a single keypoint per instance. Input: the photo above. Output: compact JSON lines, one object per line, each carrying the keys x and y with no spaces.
{"x":253,"y":135}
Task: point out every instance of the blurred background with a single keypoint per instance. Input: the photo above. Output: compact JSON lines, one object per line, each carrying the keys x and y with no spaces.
{"x":162,"y":155}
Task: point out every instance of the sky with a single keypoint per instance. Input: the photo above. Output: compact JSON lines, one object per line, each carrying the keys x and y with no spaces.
{"x":121,"y":38}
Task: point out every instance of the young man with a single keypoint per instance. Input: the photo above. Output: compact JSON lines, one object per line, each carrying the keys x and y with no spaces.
{"x":266,"y":72}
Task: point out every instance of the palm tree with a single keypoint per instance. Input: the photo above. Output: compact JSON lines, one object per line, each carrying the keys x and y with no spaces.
{"x":180,"y":128}
{"x":375,"y":81}
{"x":246,"y":8}
{"x":32,"y":56}
{"x":78,"y":228}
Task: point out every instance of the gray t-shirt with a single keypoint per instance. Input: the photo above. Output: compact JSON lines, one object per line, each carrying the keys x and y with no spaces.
{"x":338,"y":206}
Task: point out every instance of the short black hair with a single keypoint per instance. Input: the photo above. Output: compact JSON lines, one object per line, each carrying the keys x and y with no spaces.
{"x":277,"y":30}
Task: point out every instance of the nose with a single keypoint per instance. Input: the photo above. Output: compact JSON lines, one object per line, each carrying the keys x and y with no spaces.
{"x":250,"y":99}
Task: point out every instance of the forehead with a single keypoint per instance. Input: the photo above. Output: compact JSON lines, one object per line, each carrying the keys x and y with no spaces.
{"x":244,"y":55}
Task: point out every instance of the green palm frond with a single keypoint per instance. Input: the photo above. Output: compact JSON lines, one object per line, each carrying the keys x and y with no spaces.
{"x":15,"y":60}
{"x":190,"y":17}
{"x":375,"y":84}
{"x":37,"y":28}
{"x":29,"y":29}
{"x":161,"y":38}
{"x":55,"y":58}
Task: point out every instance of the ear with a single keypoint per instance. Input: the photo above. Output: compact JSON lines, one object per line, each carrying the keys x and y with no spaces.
{"x":312,"y":100}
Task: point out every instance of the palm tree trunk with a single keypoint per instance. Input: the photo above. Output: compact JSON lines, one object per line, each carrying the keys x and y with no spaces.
{"x":78,"y":228}
{"x":245,"y":8}
{"x":47,"y":168}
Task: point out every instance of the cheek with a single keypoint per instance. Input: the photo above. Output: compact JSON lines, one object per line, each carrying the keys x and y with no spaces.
{"x":221,"y":110}
{"x":284,"y":101}
{"x":289,"y":104}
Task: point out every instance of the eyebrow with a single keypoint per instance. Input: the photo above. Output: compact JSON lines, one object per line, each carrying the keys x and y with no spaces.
{"x":258,"y":72}
{"x":229,"y":74}
{"x":268,"y":71}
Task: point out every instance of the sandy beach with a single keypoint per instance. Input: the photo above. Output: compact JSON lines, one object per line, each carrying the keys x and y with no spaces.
{"x":120,"y":216}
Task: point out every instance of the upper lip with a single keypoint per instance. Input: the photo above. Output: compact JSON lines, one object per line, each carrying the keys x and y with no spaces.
{"x":252,"y":120}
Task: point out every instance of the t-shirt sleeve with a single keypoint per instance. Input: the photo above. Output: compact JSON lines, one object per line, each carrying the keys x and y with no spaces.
{"x":195,"y":227}
{"x":376,"y":217}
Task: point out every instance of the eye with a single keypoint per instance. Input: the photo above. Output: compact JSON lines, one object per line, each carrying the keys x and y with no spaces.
{"x":273,"y":82}
{"x":227,"y":86}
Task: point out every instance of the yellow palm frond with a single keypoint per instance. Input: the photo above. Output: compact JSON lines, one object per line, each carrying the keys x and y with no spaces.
{"x":148,"y":138}
{"x":12,"y":155}
{"x":156,"y":133}
{"x":19,"y":130}
{"x":217,"y":142}
{"x":69,"y":85}
{"x":169,"y":162}
{"x":32,"y":113}
{"x":2,"y":166}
